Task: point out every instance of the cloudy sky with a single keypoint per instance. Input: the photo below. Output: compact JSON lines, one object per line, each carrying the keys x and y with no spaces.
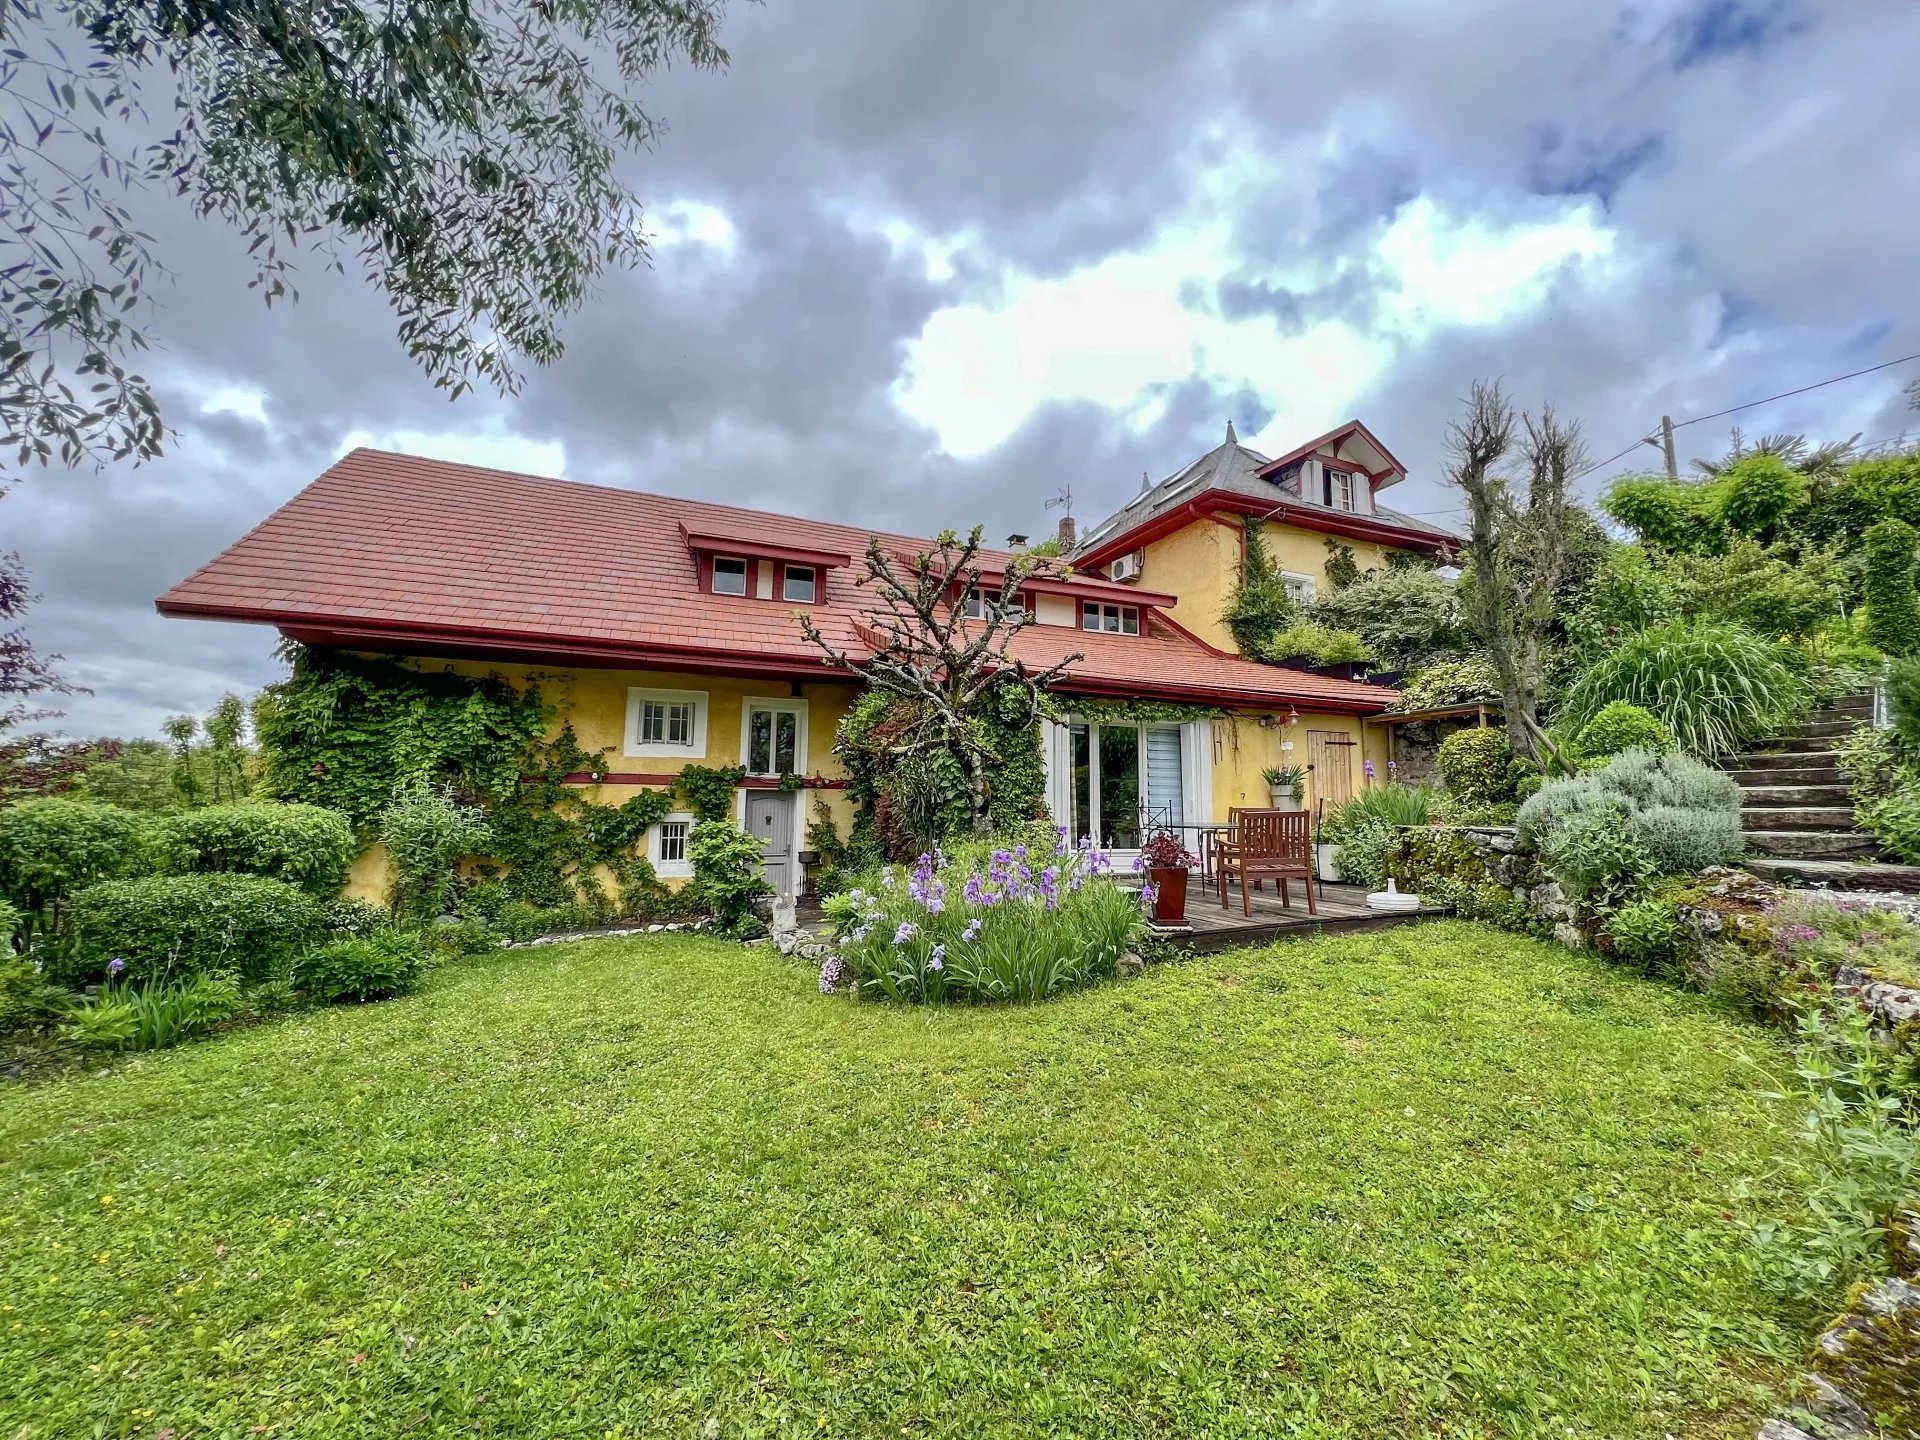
{"x":926,"y":265}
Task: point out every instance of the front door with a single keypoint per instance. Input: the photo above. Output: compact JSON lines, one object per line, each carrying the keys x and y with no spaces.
{"x":1329,"y":753}
{"x":770,"y":821}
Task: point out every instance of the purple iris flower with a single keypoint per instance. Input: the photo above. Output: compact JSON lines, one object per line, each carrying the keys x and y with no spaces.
{"x":938,"y":959}
{"x":905,"y":933}
{"x":116,"y":967}
{"x":972,"y":932}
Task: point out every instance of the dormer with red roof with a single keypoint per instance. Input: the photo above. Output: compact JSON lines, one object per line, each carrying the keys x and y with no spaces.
{"x":1187,"y":534}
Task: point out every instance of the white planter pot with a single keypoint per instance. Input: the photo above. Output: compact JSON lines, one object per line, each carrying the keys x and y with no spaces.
{"x":1283,"y":799}
{"x":1324,"y":866}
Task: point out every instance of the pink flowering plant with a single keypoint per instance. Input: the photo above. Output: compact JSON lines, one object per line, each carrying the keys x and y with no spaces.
{"x":1163,"y":851}
{"x":1012,"y":923}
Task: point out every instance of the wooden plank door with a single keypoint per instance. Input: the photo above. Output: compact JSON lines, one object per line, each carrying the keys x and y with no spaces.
{"x":1331,"y":755}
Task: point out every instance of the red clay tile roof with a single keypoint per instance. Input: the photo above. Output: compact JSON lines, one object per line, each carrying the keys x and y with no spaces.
{"x":396,"y":552}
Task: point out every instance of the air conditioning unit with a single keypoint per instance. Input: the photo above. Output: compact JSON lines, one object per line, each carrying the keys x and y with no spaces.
{"x":1127,"y":567}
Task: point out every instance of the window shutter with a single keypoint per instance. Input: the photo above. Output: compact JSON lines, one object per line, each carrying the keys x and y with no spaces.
{"x":1164,"y":803}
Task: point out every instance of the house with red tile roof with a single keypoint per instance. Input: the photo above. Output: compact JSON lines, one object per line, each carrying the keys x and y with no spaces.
{"x":666,"y":630}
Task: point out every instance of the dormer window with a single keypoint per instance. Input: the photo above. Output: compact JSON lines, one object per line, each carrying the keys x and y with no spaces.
{"x":979,"y":605}
{"x":1340,"y":489}
{"x":729,"y":575}
{"x":799,"y":583}
{"x":1109,"y":619}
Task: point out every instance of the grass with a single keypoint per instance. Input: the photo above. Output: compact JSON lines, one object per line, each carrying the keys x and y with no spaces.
{"x":1436,"y":1180}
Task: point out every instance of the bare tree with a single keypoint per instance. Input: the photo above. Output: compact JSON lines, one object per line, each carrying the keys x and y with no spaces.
{"x":1517,"y":551}
{"x":938,"y":635}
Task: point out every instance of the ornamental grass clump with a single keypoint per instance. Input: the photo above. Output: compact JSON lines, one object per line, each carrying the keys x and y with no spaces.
{"x":1024,"y":924}
{"x":1713,"y":686}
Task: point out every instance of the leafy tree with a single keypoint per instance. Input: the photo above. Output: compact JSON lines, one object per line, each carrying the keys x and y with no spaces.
{"x":464,"y":154}
{"x":1405,"y":617}
{"x":1517,"y":553}
{"x":946,"y":667}
{"x":24,"y":672}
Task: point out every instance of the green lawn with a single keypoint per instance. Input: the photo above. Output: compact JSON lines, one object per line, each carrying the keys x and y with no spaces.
{"x":1435,"y":1181}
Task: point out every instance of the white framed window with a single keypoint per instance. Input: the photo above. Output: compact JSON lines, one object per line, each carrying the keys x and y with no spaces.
{"x":667,"y":722}
{"x":773,"y":736}
{"x":1111,"y":619}
{"x":798,"y":583}
{"x":1300,"y":588}
{"x":729,"y":575}
{"x":667,"y":847}
{"x":978,"y":604}
{"x":1340,"y":489}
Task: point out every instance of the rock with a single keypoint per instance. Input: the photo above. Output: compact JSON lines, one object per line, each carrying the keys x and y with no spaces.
{"x":1781,"y":1430}
{"x":1569,"y":935}
{"x":786,"y":941}
{"x":1131,"y":963}
{"x":1891,"y":1297}
{"x":655,"y":928}
{"x":758,"y":940}
{"x":1838,"y":1415}
{"x":1500,"y":844}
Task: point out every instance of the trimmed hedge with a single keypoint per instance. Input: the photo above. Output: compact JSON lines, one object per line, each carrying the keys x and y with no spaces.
{"x":49,"y":849}
{"x":1476,"y":765}
{"x":304,"y":845}
{"x":169,"y":926}
{"x":1893,"y":606}
{"x":1619,"y":727}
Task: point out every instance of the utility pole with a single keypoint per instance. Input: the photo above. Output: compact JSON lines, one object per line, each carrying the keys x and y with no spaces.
{"x":1666,"y":444}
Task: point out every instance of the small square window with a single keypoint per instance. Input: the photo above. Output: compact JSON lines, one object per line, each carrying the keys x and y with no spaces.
{"x":1129,"y":622}
{"x":729,"y":576}
{"x":798,"y":584}
{"x":673,"y":842}
{"x":664,"y":722}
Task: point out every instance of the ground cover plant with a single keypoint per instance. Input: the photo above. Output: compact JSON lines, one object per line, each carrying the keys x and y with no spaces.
{"x":1432,"y":1181}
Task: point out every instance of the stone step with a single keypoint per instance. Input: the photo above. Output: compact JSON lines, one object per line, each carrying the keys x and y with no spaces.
{"x":1797,"y":817}
{"x":1792,"y":745}
{"x":1789,"y":775}
{"x":1847,"y":707}
{"x":1810,"y":844}
{"x":1764,"y":792}
{"x":1836,"y":874}
{"x":1833,"y":729}
{"x":1784,"y":759}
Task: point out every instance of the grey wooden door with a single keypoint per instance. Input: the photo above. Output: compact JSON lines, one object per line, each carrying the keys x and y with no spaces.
{"x":770,"y":821}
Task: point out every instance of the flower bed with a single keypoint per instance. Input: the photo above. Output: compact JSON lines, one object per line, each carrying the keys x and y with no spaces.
{"x":1007,"y":924}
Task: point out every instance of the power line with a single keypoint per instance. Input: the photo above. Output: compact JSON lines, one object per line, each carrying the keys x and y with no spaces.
{"x":1785,"y":394}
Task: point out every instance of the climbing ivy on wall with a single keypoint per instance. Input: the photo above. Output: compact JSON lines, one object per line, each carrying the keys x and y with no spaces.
{"x":1139,"y":712}
{"x":1260,"y":607}
{"x":351,"y":733}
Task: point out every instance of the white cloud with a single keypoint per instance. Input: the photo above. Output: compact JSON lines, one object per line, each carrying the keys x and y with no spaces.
{"x":1117,"y":332}
{"x":492,"y":446}
{"x":692,"y":222}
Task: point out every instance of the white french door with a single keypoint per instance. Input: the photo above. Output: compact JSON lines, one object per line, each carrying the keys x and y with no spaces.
{"x":1119,"y":783}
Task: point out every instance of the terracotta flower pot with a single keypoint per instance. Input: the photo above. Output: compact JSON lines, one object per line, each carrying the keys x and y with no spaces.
{"x":1169,"y":893}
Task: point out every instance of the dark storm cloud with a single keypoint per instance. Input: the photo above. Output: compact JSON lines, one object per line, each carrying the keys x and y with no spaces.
{"x":1044,"y":138}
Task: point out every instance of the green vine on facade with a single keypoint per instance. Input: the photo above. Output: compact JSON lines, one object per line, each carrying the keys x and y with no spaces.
{"x":1260,"y":607}
{"x":709,"y":789}
{"x":1139,"y":712}
{"x":352,"y":733}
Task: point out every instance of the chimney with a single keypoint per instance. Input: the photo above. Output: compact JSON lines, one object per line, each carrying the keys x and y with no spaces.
{"x":1016,"y":542}
{"x":1067,"y":534}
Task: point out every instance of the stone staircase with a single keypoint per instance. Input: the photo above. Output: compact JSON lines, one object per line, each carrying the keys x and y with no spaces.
{"x":1794,"y":807}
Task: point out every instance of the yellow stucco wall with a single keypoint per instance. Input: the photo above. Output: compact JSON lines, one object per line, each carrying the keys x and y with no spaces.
{"x":595,"y":702}
{"x":1200,"y":563}
{"x":1242,"y":750}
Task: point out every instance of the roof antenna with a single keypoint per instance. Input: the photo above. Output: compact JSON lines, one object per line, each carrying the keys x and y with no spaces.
{"x":1063,"y":502}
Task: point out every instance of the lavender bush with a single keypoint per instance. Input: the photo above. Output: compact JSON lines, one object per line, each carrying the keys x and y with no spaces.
{"x":1009,"y":924}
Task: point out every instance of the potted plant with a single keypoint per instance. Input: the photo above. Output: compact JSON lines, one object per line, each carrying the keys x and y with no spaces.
{"x":1326,"y":859}
{"x":1166,"y":862}
{"x":1286,"y":785}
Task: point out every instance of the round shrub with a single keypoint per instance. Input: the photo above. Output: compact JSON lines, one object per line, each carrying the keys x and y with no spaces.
{"x":1714,"y":686}
{"x":1596,"y":857}
{"x":361,"y":918}
{"x":1622,"y":726}
{"x":1893,"y":607}
{"x":1679,"y":814}
{"x":167,"y":926}
{"x":49,"y":849}
{"x":304,"y":845}
{"x":357,"y":970}
{"x":1476,"y":765}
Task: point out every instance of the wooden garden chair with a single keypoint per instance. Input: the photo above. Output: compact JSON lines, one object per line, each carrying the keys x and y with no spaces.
{"x":1268,"y":844}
